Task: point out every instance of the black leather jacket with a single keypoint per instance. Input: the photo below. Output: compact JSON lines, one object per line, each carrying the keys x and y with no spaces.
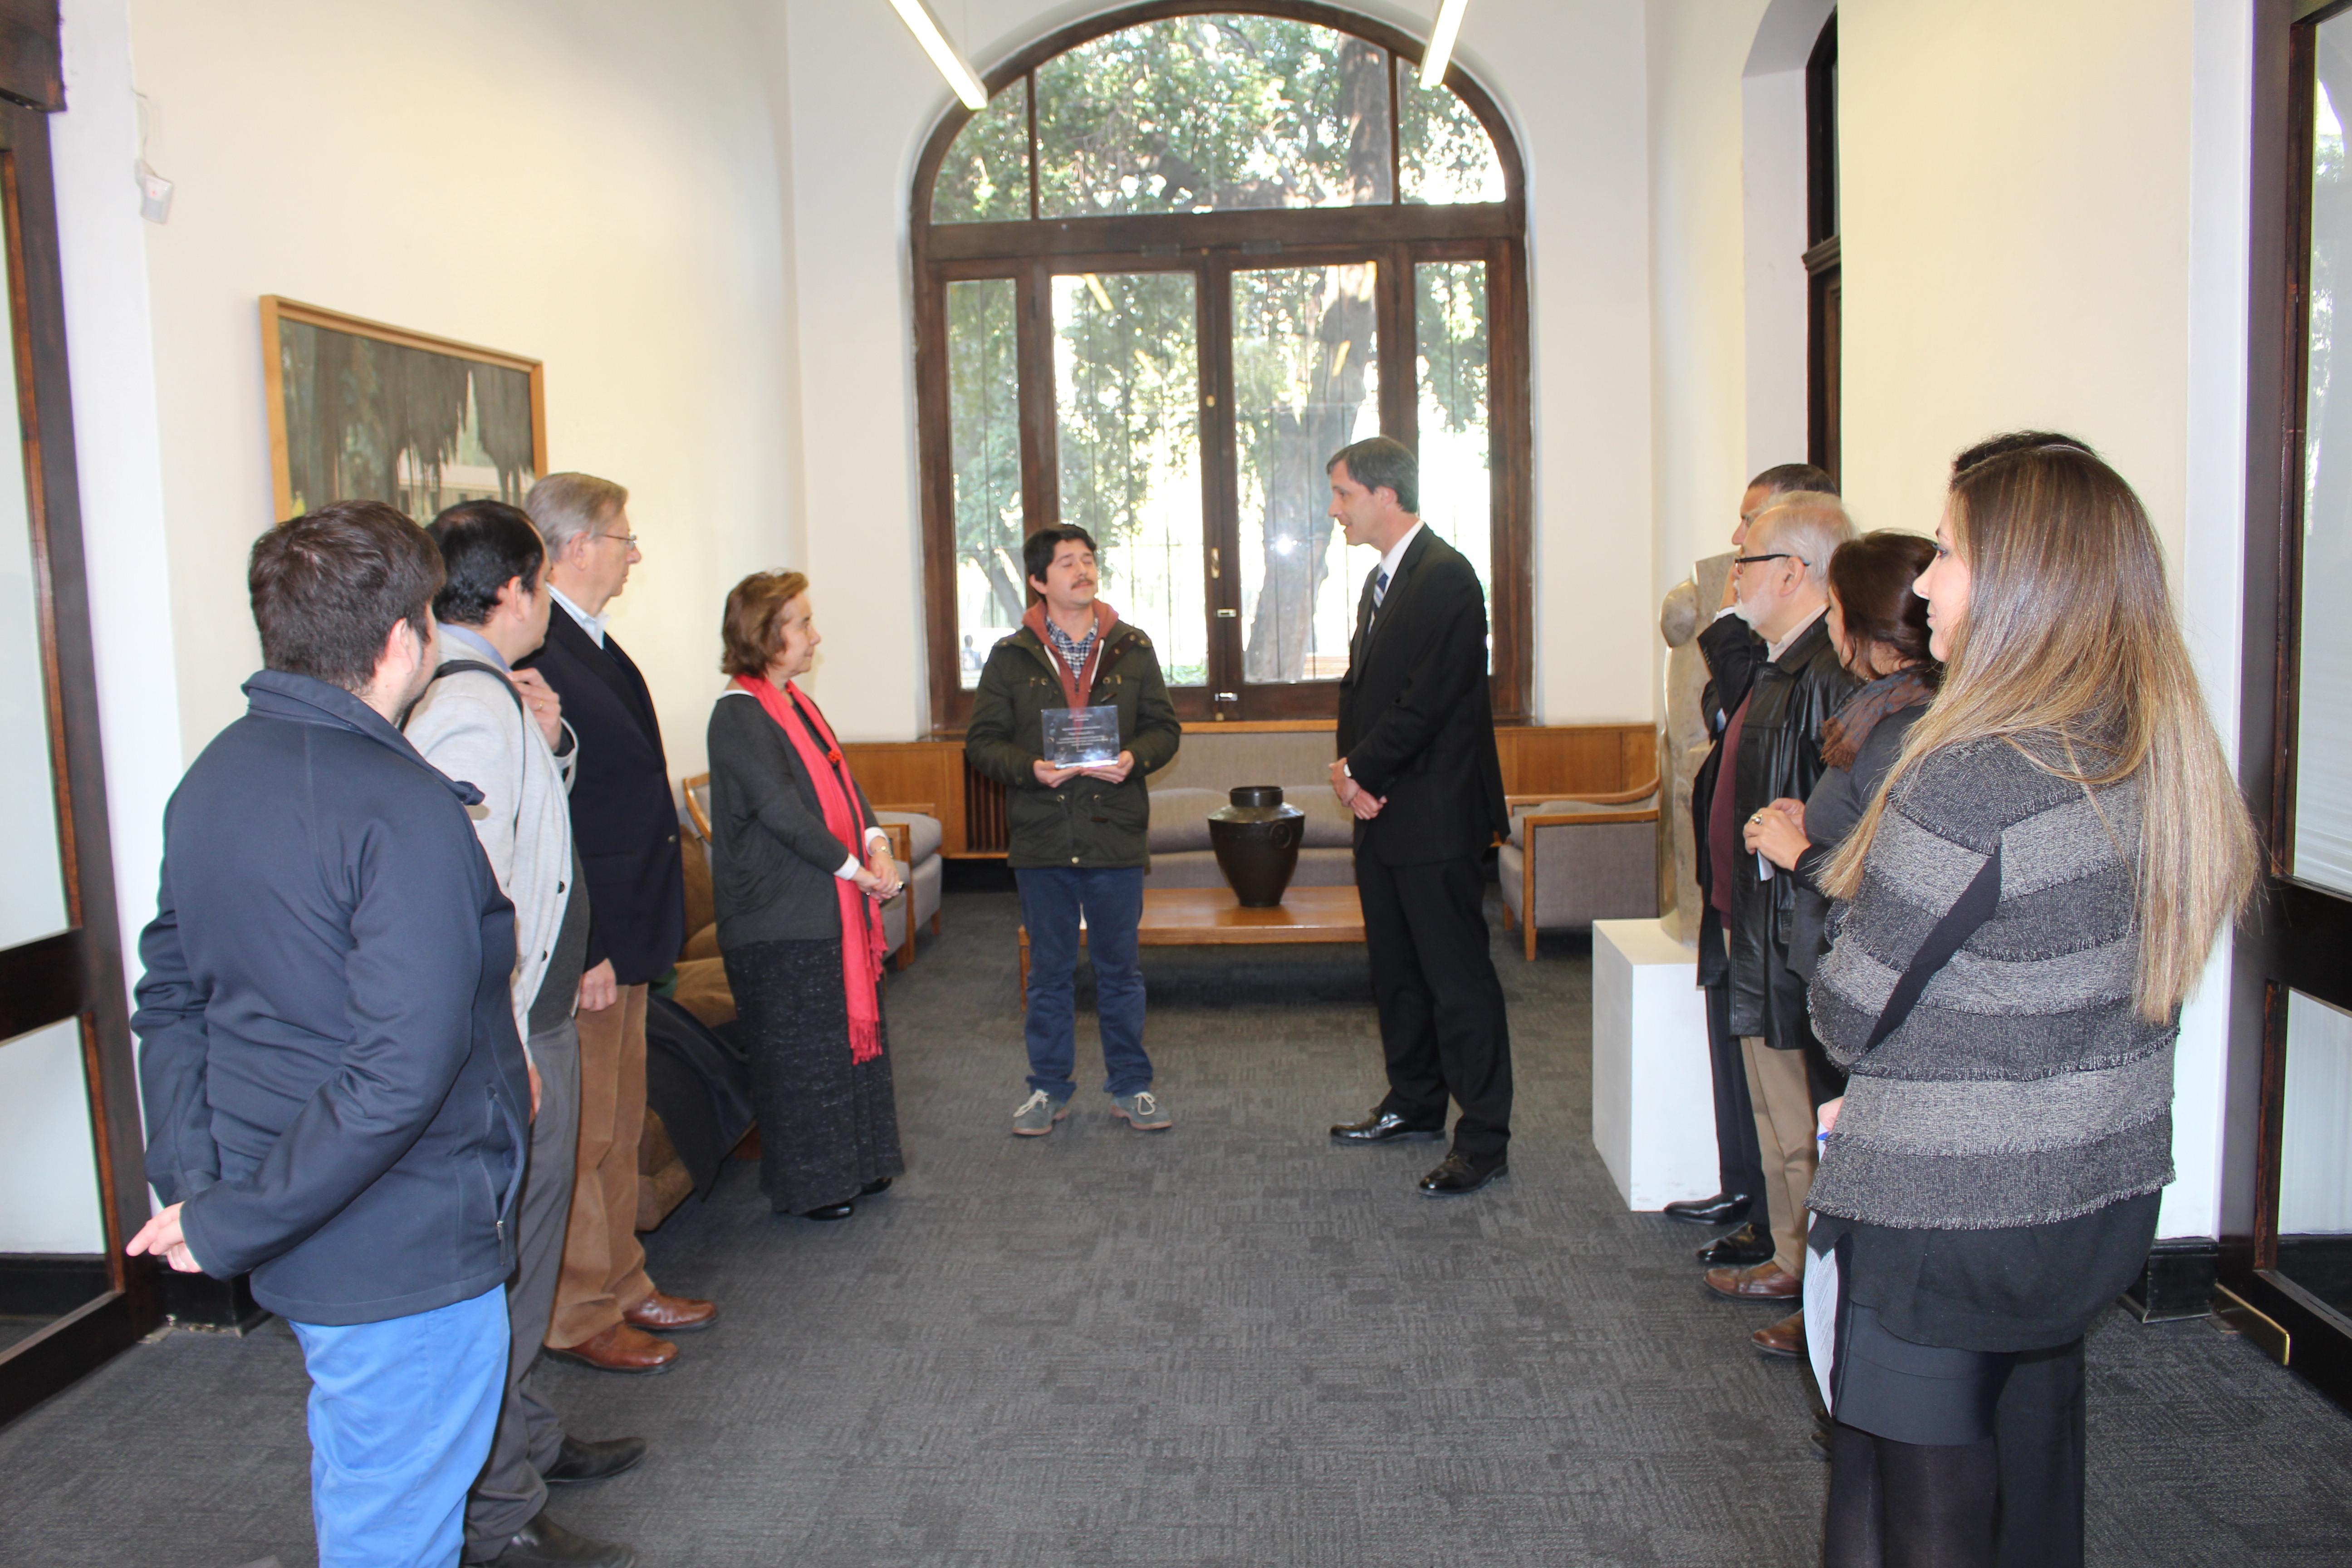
{"x":1779,"y":755}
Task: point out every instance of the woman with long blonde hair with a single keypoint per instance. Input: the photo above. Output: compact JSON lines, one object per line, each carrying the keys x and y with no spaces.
{"x":2023,"y":908}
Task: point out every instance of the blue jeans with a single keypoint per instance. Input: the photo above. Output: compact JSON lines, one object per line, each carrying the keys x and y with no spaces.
{"x":1051,"y":898}
{"x":401,"y":1417}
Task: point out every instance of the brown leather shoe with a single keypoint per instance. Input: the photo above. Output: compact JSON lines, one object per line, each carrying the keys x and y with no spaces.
{"x":1767,"y":1281}
{"x":1786,"y":1337}
{"x":620,"y":1347}
{"x":672,"y":1314}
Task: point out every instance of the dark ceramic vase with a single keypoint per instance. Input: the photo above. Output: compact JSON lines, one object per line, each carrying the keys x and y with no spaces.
{"x":1257,"y":840}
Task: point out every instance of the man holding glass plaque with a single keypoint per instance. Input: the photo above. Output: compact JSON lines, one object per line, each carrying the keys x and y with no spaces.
{"x":1070,"y":716}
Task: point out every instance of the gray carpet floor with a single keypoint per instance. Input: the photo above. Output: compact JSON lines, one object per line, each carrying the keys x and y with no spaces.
{"x":1227,"y":1343}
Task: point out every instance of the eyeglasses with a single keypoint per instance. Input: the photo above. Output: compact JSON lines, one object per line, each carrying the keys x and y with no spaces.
{"x":1759,"y":560}
{"x":628,"y":541}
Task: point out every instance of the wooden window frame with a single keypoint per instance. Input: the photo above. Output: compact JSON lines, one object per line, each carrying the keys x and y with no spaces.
{"x":74,"y":975}
{"x":1212,"y":245}
{"x":2296,"y":937}
{"x":1824,"y":288}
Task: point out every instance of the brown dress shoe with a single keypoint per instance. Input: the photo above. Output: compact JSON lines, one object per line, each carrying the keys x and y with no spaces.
{"x":672,"y":1314}
{"x":1786,"y":1337}
{"x":1767,"y":1281}
{"x":620,"y":1347}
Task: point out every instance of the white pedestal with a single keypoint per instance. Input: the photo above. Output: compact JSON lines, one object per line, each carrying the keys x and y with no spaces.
{"x":1652,"y":1094}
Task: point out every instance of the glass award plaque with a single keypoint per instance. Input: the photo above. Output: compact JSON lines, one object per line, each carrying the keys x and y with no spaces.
{"x":1081,"y":737}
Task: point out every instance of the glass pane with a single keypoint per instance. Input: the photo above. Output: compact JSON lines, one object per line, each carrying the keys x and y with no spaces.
{"x":1443,"y":154}
{"x":1449,"y":348}
{"x":33,"y":892}
{"x":2315,"y":1212}
{"x":52,"y":1240}
{"x":1305,"y":383}
{"x":2321,"y":851}
{"x":986,"y":172}
{"x":1202,"y":113}
{"x":984,"y":451}
{"x":1127,"y":400}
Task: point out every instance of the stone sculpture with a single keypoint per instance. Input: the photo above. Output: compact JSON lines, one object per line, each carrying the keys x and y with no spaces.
{"x":1682,"y":740}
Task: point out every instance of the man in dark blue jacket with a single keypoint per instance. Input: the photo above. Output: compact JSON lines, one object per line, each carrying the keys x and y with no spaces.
{"x":336,"y":1098}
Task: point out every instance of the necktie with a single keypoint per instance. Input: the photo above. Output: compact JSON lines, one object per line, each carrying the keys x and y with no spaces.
{"x":1379,"y":589}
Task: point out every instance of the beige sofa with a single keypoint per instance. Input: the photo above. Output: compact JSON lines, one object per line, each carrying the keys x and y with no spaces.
{"x":1211,"y":764}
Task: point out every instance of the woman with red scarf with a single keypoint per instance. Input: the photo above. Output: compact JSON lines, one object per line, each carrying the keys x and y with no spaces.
{"x":800,"y":871}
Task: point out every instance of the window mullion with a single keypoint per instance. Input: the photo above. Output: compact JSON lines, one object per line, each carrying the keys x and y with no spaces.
{"x":1220,"y":482}
{"x":1041,"y":474}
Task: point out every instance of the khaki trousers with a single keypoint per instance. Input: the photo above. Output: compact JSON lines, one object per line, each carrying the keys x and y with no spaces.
{"x":603,"y":1265}
{"x":1784,"y":1136}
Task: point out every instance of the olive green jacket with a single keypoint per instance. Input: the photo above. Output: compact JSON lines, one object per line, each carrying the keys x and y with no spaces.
{"x":1087,"y":822}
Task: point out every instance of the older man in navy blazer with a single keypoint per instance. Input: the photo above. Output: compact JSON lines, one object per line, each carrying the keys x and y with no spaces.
{"x":336,"y":1095}
{"x":608,"y":1315}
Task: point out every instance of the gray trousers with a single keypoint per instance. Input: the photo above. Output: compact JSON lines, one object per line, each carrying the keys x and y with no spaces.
{"x":509,"y":1493}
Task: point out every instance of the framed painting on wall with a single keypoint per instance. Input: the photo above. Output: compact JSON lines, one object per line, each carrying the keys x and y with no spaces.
{"x":362,"y":411}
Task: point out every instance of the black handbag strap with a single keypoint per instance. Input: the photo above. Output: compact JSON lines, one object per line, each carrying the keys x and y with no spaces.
{"x":505,"y":684}
{"x":1970,"y":909}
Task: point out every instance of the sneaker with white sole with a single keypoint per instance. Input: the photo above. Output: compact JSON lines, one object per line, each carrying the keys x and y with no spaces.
{"x":1038,"y":1114}
{"x":1140,"y":1110}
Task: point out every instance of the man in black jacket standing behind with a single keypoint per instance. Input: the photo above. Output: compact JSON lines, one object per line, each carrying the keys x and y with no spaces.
{"x":335,"y":1093}
{"x":608,"y":1313}
{"x":1417,"y":765}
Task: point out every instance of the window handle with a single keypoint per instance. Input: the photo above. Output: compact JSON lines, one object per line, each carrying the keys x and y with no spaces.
{"x":1228,"y":614}
{"x":1217,"y":564}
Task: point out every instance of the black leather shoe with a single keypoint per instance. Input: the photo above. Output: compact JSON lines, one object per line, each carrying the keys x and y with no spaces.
{"x":880,"y":1184}
{"x":1458,"y":1175}
{"x":584,"y":1461}
{"x":830,"y":1212}
{"x":544,"y":1543}
{"x":1724,"y":1208}
{"x":1383,"y":1127}
{"x":1748,"y":1244}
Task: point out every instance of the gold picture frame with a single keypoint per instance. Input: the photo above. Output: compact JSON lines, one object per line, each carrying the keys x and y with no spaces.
{"x":361,"y":410}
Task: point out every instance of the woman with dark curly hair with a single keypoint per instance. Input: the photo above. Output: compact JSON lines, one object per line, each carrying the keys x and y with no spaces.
{"x":799,"y":871}
{"x":2024,"y":908}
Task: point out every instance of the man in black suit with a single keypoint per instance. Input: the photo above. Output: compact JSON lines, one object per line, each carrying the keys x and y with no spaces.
{"x":608,"y":1313}
{"x":1417,"y":767}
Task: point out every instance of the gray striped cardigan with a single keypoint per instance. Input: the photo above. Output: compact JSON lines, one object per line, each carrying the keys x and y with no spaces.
{"x":2023,"y":1089}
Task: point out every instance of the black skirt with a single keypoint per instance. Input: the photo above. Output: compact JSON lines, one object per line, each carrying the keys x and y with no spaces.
{"x":828,"y":1126}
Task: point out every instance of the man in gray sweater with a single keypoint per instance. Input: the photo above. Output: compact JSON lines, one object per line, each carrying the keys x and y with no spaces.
{"x":501,"y":730}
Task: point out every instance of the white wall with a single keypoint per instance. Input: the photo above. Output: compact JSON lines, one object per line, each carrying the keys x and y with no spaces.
{"x":2016,"y":239}
{"x":1568,"y":72}
{"x":1772,"y":179}
{"x":595,"y":184}
{"x":1699,"y":269}
{"x":2055,"y":236}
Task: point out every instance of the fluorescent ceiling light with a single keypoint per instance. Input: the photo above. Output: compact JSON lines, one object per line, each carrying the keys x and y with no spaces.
{"x":1441,"y":41}
{"x":960,"y":77}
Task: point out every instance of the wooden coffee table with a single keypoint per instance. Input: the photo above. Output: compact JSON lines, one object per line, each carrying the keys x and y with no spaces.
{"x":1213,"y":917}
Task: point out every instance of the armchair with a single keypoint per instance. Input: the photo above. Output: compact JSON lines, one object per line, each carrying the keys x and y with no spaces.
{"x":1571,"y":860}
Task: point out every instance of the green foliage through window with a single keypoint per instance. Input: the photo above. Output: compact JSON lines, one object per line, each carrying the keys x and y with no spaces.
{"x":1216,"y":113}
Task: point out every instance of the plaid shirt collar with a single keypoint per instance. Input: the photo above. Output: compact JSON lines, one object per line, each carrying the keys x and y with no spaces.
{"x":1073,"y":650}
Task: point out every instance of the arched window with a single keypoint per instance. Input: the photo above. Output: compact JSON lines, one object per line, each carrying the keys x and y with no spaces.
{"x":1188,"y":251}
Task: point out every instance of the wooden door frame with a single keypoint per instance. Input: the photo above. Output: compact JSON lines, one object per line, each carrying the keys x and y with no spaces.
{"x":2291,"y":922}
{"x":84,"y":975}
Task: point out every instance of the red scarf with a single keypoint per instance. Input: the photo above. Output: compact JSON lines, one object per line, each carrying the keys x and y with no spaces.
{"x":1075,"y":684}
{"x":862,"y":945}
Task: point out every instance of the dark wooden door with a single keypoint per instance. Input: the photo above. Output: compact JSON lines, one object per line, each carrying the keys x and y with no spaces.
{"x":72,"y":1182}
{"x":2287,"y":1246}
